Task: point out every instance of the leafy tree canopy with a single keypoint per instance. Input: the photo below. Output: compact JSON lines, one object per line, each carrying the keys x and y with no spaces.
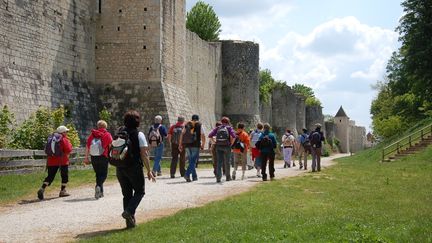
{"x":405,"y":96}
{"x":203,"y":21}
{"x":308,"y":92}
{"x":267,"y":84}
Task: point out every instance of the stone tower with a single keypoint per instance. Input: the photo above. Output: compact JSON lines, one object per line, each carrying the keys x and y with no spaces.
{"x":140,"y":56}
{"x":342,"y":130}
{"x":283,"y":110}
{"x":240,"y":81}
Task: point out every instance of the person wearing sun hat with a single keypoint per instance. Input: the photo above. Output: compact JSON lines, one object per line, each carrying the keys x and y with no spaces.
{"x":57,"y":148}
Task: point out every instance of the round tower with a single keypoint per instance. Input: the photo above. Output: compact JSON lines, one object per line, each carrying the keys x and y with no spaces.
{"x":240,"y":81}
{"x":342,"y":125}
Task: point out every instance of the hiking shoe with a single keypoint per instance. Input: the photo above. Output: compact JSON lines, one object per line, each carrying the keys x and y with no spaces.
{"x":40,"y":194}
{"x":194,"y":179}
{"x":187,"y":179}
{"x":233,"y":177}
{"x":159,"y":174}
{"x":294,"y":164}
{"x":98,"y":192}
{"x":63,"y":193}
{"x":130,"y":219}
{"x":218,"y":180}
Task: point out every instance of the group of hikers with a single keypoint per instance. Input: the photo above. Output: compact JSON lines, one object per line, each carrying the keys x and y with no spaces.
{"x":129,"y":152}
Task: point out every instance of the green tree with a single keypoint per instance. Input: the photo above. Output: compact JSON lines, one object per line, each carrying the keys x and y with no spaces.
{"x":415,"y":32}
{"x":303,"y":90}
{"x":267,"y":84}
{"x":405,"y":96}
{"x":308,"y":92}
{"x":203,"y":21}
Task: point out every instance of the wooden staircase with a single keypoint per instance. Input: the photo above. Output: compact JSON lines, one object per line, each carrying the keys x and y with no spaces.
{"x":411,"y":144}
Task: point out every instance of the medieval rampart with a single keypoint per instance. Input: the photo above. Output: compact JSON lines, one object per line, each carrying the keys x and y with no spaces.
{"x":47,"y":57}
{"x":131,"y":54}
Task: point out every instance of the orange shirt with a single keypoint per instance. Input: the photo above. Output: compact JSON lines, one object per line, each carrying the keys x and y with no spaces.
{"x":244,"y":138}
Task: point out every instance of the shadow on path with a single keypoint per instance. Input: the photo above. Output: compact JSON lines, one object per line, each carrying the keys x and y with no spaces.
{"x":81,"y":199}
{"x":24,"y":202}
{"x":98,"y":233}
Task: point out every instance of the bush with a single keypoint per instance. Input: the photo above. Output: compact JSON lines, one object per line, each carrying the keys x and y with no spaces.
{"x":7,"y":121}
{"x":33,"y":132}
{"x":326,"y":150}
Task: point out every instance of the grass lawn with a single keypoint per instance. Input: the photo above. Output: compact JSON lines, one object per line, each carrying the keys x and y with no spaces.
{"x":357,"y":200}
{"x":16,"y":187}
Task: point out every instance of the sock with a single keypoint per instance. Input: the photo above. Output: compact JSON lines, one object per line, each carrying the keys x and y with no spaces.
{"x":44,"y":185}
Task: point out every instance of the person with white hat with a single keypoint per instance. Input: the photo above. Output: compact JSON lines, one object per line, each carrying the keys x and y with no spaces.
{"x":156,"y":136}
{"x":57,"y":148}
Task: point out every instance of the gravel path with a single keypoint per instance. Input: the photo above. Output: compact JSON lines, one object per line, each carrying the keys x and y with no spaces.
{"x":80,"y":215}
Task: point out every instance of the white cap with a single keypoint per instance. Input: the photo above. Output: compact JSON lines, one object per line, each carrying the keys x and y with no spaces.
{"x":62,"y":129}
{"x":158,"y":119}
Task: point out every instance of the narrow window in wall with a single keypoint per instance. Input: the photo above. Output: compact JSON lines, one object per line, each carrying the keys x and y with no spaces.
{"x":100,"y":6}
{"x":101,"y":26}
{"x":95,"y":47}
{"x":145,"y":9}
{"x":145,"y":27}
{"x":118,"y":28}
{"x":148,"y":68}
{"x":144,"y":47}
{"x":120,"y":10}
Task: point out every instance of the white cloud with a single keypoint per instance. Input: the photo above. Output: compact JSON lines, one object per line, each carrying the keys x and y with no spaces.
{"x":339,"y":58}
{"x":331,"y":50}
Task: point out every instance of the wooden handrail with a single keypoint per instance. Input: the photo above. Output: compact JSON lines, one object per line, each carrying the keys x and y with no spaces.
{"x":421,"y":133}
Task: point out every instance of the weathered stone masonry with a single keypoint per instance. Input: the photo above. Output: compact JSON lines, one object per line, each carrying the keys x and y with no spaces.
{"x":47,"y":57}
{"x":132,"y":54}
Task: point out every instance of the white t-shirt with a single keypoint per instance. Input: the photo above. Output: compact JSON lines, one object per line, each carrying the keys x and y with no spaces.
{"x":142,"y":140}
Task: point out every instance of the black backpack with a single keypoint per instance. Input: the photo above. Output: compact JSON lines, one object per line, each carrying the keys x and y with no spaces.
{"x":266,"y":142}
{"x":238,"y":144}
{"x":222,"y":136}
{"x":315,"y":139}
{"x":177,"y":131}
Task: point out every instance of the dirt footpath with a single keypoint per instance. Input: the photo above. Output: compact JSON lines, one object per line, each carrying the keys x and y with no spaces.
{"x":81,"y":215}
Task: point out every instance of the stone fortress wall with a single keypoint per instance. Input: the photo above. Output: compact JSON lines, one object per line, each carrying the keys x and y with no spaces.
{"x":47,"y":57}
{"x":87,"y":55}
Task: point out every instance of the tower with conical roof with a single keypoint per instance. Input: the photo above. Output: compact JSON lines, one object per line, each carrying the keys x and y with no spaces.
{"x":342,"y":128}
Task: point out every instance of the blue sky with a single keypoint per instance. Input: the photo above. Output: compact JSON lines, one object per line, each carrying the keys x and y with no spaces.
{"x":338,"y":48}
